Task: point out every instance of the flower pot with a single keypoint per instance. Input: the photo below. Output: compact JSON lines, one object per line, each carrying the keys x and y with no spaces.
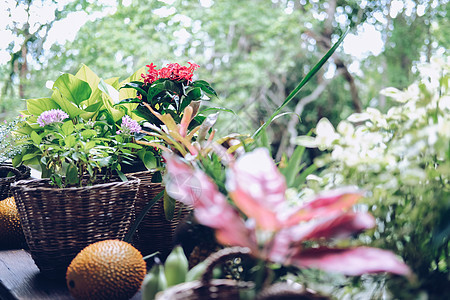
{"x":22,"y":172}
{"x":59,"y":222}
{"x":155,"y":232}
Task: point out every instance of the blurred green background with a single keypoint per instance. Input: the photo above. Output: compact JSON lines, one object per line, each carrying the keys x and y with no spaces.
{"x":252,"y":52}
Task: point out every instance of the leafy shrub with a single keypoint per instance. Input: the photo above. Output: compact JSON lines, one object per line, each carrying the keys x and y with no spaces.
{"x":402,"y":160}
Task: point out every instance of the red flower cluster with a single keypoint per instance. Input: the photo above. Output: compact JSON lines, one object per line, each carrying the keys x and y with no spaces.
{"x":172,"y":71}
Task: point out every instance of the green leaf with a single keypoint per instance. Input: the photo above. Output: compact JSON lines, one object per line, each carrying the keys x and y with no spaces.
{"x":302,"y":177}
{"x":206,"y":88}
{"x":302,"y":83}
{"x":294,"y":166}
{"x":110,"y":96}
{"x":148,"y":158}
{"x":73,"y":89}
{"x":70,"y":108}
{"x":217,"y":109}
{"x":36,"y":138}
{"x":133,"y":146}
{"x":88,"y":133}
{"x":38,"y":106}
{"x":141,"y":216}
{"x":29,"y":156}
{"x":169,"y":206}
{"x":136,"y":86}
{"x":67,"y":127}
{"x":122,"y":176}
{"x":70,"y":141}
{"x":72,"y":175}
{"x":129,"y":93}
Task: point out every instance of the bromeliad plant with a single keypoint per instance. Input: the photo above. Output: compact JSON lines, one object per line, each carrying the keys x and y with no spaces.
{"x":305,"y":235}
{"x":168,"y":90}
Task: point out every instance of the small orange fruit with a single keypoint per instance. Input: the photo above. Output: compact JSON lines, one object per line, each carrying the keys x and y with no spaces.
{"x":11,"y":234}
{"x":109,"y":270}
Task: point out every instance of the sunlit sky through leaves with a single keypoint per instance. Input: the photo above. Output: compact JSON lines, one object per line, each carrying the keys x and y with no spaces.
{"x":366,"y":41}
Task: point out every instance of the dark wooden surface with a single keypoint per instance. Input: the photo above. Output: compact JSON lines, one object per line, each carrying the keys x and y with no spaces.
{"x":20,"y":279}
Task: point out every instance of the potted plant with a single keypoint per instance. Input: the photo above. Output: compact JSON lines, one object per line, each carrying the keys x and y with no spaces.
{"x":280,"y":236}
{"x":78,"y":141}
{"x":167,"y":91}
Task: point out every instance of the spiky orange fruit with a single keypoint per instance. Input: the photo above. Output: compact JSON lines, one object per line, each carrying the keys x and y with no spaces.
{"x":11,"y":234}
{"x":110,"y":270}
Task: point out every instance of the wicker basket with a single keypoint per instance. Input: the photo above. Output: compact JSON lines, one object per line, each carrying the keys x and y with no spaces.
{"x":223,"y":289}
{"x":23,"y":172}
{"x":59,"y":222}
{"x":207,"y":288}
{"x":155,"y":232}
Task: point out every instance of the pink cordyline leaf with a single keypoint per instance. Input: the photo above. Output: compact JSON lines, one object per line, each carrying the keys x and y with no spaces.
{"x":338,"y":226}
{"x":353,"y":261}
{"x":289,"y":240}
{"x":325,"y":204}
{"x":194,"y":187}
{"x":257,"y":188}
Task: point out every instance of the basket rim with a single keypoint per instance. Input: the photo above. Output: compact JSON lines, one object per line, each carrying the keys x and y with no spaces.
{"x":23,"y":184}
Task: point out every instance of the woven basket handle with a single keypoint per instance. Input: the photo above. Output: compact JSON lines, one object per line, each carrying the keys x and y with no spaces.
{"x":16,"y":172}
{"x":219,"y":257}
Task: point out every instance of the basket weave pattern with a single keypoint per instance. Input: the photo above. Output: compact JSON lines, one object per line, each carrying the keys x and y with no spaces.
{"x":155,"y":233}
{"x":22,"y":172}
{"x":59,"y":223}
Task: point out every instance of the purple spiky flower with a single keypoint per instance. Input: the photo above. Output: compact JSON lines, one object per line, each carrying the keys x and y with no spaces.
{"x":51,"y":116}
{"x":129,"y":126}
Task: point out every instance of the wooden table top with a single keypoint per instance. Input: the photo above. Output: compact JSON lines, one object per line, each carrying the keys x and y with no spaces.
{"x":20,"y":279}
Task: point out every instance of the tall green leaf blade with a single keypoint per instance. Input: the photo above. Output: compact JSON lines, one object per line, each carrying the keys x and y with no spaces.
{"x":294,"y":166}
{"x":302,"y":83}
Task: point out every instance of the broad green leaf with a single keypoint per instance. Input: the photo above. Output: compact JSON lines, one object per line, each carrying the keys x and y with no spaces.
{"x":71,"y":175}
{"x":88,"y":133}
{"x":92,"y":110}
{"x":302,"y":83}
{"x":130,"y":93}
{"x":29,"y":156}
{"x":70,"y":108}
{"x":206,"y":88}
{"x":67,"y":127}
{"x":109,"y":90}
{"x":148,"y":158}
{"x":70,"y":141}
{"x":89,"y":145}
{"x":114,"y":82}
{"x":73,"y":89}
{"x":109,"y":96}
{"x":38,"y":106}
{"x":36,"y":138}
